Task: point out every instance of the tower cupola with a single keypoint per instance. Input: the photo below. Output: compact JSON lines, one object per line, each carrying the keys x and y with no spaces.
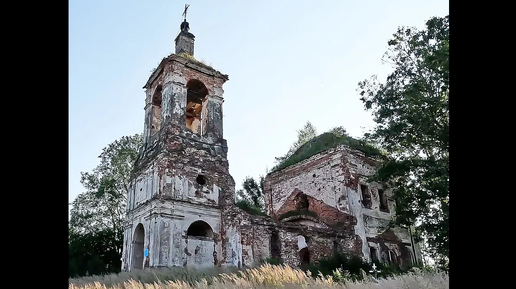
{"x":185,"y":39}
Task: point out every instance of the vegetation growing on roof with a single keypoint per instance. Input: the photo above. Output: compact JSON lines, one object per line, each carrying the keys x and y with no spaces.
{"x":192,"y":59}
{"x":334,"y":137}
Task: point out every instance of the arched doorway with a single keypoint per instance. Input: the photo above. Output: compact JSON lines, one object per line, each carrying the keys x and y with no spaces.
{"x":304,"y":252}
{"x":138,"y":242}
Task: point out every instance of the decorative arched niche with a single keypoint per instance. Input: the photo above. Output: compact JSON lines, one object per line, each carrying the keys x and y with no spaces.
{"x":302,"y":203}
{"x":200,"y":230}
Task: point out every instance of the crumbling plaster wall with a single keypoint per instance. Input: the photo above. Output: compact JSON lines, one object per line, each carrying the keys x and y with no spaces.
{"x":166,"y":224}
{"x":143,"y":187}
{"x":321,"y":243}
{"x":172,"y":75}
{"x":370,"y":222}
{"x":332,"y":178}
{"x":180,"y":195}
{"x":164,"y":179}
{"x":135,"y":217}
{"x":255,"y":233}
{"x":249,"y":236}
{"x":200,"y":252}
{"x":319,"y":177}
{"x":165,"y":182}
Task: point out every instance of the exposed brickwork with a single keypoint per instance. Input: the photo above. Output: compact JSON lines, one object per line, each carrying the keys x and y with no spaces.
{"x":331,"y":180}
{"x":182,"y":177}
{"x":325,"y":213}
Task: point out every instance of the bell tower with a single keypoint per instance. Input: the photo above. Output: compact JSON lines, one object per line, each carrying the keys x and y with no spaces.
{"x":181,"y":182}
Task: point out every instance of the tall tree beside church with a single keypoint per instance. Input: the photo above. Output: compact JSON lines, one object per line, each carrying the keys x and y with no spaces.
{"x":411,"y":112}
{"x":97,"y":213}
{"x":304,"y":134}
{"x":252,"y":192}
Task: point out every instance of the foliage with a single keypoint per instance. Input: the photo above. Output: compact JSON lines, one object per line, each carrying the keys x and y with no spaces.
{"x":97,"y":213}
{"x":194,"y":60}
{"x":251,"y":209}
{"x":334,"y":137}
{"x":299,"y":212}
{"x":339,"y":131}
{"x":252,"y":192}
{"x":305,"y":134}
{"x":264,"y":276}
{"x":272,"y":261}
{"x":351,"y":268}
{"x":412,"y":116}
{"x":251,"y":198}
{"x":93,"y":253}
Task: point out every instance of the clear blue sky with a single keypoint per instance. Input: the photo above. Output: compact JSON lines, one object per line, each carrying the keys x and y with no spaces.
{"x":288,"y":62}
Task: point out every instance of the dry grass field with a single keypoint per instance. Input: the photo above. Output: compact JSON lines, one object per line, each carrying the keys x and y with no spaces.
{"x":265,"y":276}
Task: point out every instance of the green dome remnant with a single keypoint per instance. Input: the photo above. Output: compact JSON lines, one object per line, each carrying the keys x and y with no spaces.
{"x":324,"y":142}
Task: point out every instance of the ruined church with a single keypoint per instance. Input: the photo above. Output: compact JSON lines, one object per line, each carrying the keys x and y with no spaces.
{"x":181,"y":203}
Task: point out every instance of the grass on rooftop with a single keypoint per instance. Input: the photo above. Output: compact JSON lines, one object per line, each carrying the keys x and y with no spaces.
{"x":324,"y":142}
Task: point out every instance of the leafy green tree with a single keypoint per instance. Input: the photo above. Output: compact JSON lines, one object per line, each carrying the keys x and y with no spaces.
{"x":305,"y":134}
{"x":93,"y":253}
{"x":339,"y":131}
{"x":252,"y":192}
{"x":411,"y":112}
{"x":97,"y":214}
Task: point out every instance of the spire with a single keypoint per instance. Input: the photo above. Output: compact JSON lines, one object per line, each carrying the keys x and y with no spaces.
{"x":185,"y":39}
{"x":185,"y":26}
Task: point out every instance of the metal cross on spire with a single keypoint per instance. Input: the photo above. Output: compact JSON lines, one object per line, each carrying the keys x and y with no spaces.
{"x":184,"y":12}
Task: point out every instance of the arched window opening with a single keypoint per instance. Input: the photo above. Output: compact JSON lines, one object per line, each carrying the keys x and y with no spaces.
{"x":366,"y":196}
{"x":384,"y":205}
{"x":393,"y":258}
{"x":200,"y":229}
{"x":156,"y":110}
{"x":302,"y":202}
{"x":374,"y":254}
{"x":304,"y":256}
{"x":138,"y":242}
{"x":196,"y":112}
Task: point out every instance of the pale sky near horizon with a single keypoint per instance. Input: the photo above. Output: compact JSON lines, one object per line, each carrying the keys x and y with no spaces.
{"x":288,"y":62}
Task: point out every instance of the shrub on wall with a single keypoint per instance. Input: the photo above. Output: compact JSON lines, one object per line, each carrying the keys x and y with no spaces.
{"x":249,"y":208}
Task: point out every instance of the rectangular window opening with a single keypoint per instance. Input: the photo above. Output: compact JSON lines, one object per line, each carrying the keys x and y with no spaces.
{"x":373,"y":253}
{"x":366,"y":196}
{"x":384,"y":205}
